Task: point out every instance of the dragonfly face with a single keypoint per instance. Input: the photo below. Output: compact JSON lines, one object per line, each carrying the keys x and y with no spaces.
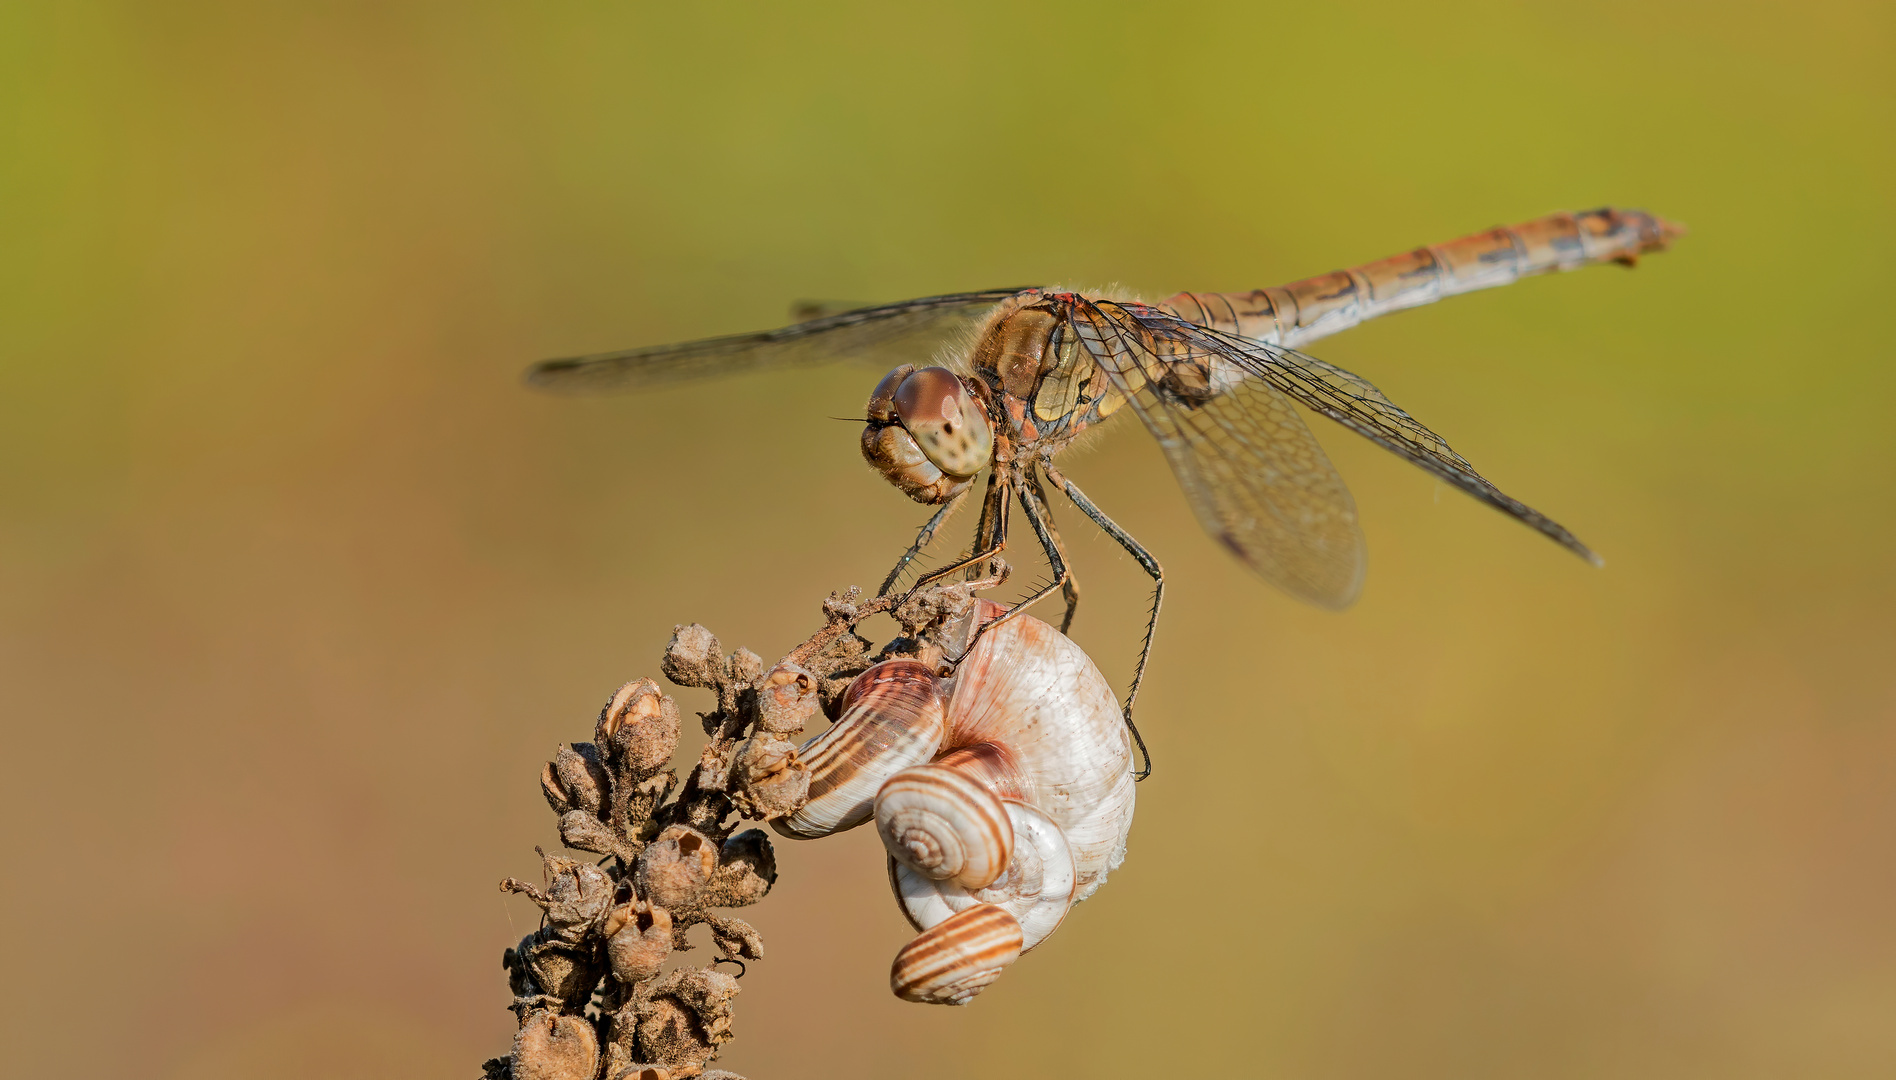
{"x":928,"y":433}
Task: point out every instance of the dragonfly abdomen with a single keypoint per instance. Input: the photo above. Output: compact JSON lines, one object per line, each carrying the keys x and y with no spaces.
{"x":1296,"y":314}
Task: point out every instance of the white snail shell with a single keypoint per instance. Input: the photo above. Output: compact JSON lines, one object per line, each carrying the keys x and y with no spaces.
{"x":1031,"y":692}
{"x":1003,"y":795}
{"x":1036,"y":890}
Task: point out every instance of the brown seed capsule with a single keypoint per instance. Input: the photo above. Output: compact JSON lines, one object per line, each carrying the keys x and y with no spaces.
{"x":639,"y":938}
{"x":688,"y":1018}
{"x":672,"y":871}
{"x":786,"y":700}
{"x":747,"y":867}
{"x":554,"y":1047}
{"x":638,"y":730}
{"x":544,"y":964}
{"x":581,"y":776}
{"x":581,"y":831}
{"x":576,"y":892}
{"x":735,"y":938}
{"x":768,"y":779}
{"x":745,"y":666}
{"x":555,"y":793}
{"x":693,"y":658}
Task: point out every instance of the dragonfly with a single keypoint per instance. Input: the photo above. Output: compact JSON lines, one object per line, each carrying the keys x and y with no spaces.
{"x":1002,"y":380}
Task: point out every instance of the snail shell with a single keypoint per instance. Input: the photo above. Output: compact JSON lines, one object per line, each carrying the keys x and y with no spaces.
{"x":1059,"y":736}
{"x":892,"y":717}
{"x":945,"y":825}
{"x":956,"y":958}
{"x":1037,"y":889}
{"x":1003,"y":795}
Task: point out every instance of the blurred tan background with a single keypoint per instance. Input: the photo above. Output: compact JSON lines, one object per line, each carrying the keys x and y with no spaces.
{"x":298,"y":586}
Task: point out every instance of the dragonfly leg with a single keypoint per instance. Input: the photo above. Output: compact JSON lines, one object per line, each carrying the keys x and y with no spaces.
{"x":923,"y":539}
{"x":1147,"y":563}
{"x":1035,"y":509}
{"x":989,"y":541}
{"x":1070,"y":591}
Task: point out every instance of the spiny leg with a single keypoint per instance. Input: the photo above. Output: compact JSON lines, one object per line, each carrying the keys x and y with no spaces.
{"x":1071,"y":590}
{"x":1036,"y":516}
{"x":1152,"y":568}
{"x":993,"y":514}
{"x":988,"y":542}
{"x":923,"y":539}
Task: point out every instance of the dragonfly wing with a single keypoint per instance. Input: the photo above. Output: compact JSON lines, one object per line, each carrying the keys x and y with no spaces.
{"x":1346,"y":398}
{"x":1254,"y":474}
{"x":891,"y":333}
{"x":1354,"y":402}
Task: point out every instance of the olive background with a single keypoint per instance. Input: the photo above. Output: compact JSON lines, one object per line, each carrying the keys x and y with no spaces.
{"x":298,"y":585}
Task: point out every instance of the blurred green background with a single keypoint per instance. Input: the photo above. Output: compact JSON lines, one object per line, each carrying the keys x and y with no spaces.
{"x":298,"y":586}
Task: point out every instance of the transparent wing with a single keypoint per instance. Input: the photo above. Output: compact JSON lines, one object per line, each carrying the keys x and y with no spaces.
{"x":1252,"y":471}
{"x":892,"y":333}
{"x":1172,"y":371}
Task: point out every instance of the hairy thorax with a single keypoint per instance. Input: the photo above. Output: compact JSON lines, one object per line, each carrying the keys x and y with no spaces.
{"x":1047,"y":386}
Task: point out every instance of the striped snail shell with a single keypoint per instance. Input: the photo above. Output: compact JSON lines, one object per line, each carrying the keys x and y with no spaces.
{"x":1037,"y":888}
{"x":945,"y":825}
{"x":1003,"y":795}
{"x":893,"y":717}
{"x":957,"y":958}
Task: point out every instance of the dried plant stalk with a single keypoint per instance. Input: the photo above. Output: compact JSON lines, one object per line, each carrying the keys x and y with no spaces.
{"x":590,"y":991}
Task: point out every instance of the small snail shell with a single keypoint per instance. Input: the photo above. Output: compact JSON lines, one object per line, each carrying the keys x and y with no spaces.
{"x":892,"y":718}
{"x":945,"y":825}
{"x":1036,"y":890}
{"x":956,"y":958}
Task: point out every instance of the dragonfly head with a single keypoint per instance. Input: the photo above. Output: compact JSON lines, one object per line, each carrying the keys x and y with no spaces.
{"x":927,"y":433}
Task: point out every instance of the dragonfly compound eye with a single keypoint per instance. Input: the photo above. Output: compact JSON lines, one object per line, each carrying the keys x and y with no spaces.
{"x":927,"y":434}
{"x":946,"y":420}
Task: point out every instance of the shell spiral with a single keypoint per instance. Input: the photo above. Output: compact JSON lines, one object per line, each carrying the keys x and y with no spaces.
{"x":945,"y":825}
{"x":1003,"y":795}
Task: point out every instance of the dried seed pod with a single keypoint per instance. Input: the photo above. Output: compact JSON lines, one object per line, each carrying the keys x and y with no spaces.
{"x":735,"y":938}
{"x":768,"y":779}
{"x":745,"y":666}
{"x":581,"y":777}
{"x":686,"y":1018}
{"x":893,"y":717}
{"x":581,"y":831}
{"x":638,"y":940}
{"x":674,"y":868}
{"x":544,"y":965}
{"x":638,"y":730}
{"x":550,"y":1046}
{"x":747,"y":867}
{"x":577,"y":893}
{"x":786,"y":699}
{"x":956,"y":958}
{"x":555,"y":793}
{"x":693,"y":658}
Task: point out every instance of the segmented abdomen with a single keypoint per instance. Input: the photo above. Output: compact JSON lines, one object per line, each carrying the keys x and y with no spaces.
{"x":1295,"y":314}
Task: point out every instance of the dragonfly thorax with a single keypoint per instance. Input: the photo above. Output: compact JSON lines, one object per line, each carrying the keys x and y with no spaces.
{"x":927,"y":433}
